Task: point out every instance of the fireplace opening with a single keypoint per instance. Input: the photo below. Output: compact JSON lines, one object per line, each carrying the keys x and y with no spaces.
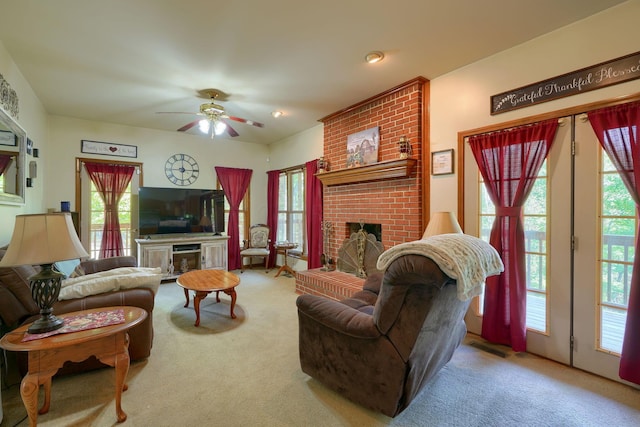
{"x":360,"y":251}
{"x":375,"y":229}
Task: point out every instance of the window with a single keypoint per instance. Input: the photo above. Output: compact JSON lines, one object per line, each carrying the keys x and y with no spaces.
{"x":291,"y":209}
{"x":536,"y":255}
{"x":96,"y":221}
{"x":617,"y":235}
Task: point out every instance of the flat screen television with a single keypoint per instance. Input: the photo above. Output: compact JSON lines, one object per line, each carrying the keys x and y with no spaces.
{"x":180,"y":211}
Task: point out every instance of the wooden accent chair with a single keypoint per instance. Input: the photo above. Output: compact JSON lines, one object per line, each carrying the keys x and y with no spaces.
{"x":258,"y":245}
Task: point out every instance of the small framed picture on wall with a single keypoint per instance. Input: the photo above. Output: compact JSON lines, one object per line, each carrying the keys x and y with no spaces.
{"x":442,"y":162}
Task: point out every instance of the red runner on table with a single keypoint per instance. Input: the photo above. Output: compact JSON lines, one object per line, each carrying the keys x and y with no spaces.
{"x":81,"y":322}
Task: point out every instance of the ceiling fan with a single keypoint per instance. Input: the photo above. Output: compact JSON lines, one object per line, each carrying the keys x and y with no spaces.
{"x":215,"y":117}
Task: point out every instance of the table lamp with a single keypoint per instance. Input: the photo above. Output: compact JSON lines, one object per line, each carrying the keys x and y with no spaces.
{"x":44,"y":239}
{"x":442,"y":223}
{"x":205,"y":223}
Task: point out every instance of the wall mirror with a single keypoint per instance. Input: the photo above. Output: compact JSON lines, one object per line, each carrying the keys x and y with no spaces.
{"x":13,"y":141}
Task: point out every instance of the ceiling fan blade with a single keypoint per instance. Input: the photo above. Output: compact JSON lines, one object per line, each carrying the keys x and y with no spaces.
{"x":231,"y":131}
{"x":249,"y":122}
{"x":189,"y":126}
{"x":179,"y":112}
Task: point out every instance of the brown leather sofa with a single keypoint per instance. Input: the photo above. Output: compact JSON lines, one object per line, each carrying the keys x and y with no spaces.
{"x":17,"y":307}
{"x":380,"y":347}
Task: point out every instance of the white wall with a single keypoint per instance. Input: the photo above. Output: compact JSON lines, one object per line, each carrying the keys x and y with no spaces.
{"x":297,"y":149}
{"x":460,"y":99}
{"x":154,"y":148}
{"x":33,"y":118}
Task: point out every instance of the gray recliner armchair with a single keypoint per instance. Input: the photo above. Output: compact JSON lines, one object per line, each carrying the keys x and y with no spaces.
{"x":381,"y":346}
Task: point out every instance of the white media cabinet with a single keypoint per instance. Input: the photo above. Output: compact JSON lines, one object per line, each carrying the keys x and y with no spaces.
{"x":200,"y":252}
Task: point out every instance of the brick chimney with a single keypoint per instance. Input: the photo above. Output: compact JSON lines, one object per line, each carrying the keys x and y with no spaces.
{"x":397,"y":203}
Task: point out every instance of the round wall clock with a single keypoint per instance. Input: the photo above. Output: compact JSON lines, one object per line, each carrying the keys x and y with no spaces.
{"x":181,"y":169}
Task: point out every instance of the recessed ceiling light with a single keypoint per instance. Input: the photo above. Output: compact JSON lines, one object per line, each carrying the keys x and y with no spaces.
{"x":276,"y":114}
{"x":373,"y":57}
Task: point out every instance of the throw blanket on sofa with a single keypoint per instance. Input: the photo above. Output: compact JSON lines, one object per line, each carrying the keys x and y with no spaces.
{"x":110,"y":281}
{"x":466,"y":258}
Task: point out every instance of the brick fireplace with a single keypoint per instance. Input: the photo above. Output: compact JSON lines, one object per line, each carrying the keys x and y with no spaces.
{"x":392,"y":192}
{"x":399,"y":203}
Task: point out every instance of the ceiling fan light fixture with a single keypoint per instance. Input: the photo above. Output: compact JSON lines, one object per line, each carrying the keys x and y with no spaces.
{"x":204,"y":126}
{"x":276,"y":114}
{"x":373,"y":57}
{"x":219,"y":127}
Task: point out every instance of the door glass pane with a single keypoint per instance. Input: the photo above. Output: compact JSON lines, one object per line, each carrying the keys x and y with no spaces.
{"x":617,"y":235}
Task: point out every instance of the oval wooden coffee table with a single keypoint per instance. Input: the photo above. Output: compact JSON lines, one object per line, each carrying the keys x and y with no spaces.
{"x":203,"y":282}
{"x":46,"y":355}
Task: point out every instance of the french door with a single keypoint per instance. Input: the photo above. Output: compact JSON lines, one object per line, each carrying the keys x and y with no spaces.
{"x":552,"y":337}
{"x":603,"y":256}
{"x":584,"y":252}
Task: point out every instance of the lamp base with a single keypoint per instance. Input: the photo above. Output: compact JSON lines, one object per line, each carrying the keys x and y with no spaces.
{"x":45,"y":288}
{"x":45,"y":324}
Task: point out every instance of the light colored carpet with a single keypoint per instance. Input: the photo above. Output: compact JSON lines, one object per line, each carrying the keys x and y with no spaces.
{"x":245,"y":372}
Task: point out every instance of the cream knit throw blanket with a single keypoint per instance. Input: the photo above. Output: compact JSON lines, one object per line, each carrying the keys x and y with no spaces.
{"x":466,"y":258}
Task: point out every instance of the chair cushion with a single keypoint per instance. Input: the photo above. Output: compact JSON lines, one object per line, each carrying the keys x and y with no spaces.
{"x":254,"y":252}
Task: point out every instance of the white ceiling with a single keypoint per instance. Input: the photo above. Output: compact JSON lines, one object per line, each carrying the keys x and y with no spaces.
{"x":121,"y":61}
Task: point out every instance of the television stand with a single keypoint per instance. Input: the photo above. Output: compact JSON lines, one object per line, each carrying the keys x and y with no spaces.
{"x":175,"y":253}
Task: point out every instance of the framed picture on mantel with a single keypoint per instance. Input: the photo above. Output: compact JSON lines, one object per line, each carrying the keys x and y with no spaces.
{"x":442,"y":162}
{"x":362,"y":147}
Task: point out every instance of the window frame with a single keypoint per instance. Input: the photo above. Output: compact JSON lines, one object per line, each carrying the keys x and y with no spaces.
{"x":79,"y":167}
{"x":302,"y":250}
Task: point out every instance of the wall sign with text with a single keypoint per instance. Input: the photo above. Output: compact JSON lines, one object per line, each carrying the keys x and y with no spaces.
{"x":108,"y":149}
{"x":605,"y":74}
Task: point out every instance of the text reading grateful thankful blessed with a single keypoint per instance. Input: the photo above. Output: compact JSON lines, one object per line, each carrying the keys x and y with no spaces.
{"x":598,"y":76}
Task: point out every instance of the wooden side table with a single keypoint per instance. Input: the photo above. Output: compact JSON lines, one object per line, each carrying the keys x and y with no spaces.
{"x":203,"y":282}
{"x":110,"y":344}
{"x":284,"y":249}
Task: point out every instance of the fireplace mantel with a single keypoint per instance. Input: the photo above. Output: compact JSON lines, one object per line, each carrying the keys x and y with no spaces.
{"x":382,"y":170}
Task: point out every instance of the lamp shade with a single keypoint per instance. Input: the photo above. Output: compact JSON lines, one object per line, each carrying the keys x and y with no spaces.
{"x":442,"y":223}
{"x":205,"y":221}
{"x":43,"y":239}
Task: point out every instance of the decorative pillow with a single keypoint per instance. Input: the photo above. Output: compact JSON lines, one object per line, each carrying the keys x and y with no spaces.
{"x":66,"y":267}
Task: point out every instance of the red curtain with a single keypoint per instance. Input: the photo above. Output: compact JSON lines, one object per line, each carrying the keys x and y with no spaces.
{"x":273,"y":187}
{"x":617,"y":130}
{"x":234,"y":182}
{"x":111,"y":182}
{"x":313,"y":207}
{"x":5,"y":161}
{"x":509,"y":162}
